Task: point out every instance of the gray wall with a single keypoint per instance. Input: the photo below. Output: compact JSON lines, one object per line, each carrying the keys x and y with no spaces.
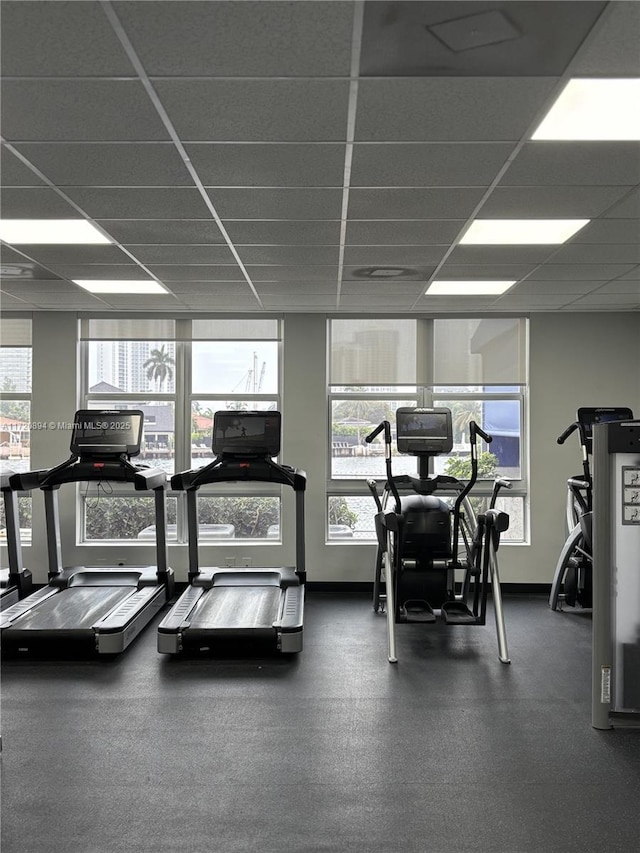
{"x":575,"y":360}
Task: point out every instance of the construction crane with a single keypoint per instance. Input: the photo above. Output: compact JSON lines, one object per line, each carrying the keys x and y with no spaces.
{"x":252,"y":382}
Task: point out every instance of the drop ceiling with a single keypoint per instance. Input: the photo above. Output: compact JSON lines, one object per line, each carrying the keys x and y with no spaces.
{"x":257,"y":156}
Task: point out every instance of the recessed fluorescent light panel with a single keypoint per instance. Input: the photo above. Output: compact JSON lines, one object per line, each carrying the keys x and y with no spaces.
{"x":595,"y":110}
{"x":521,"y":231}
{"x":124,"y":287}
{"x":54,"y":231}
{"x":468,"y":288}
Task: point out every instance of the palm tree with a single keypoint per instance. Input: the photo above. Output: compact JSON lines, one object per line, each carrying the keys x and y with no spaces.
{"x":461,"y":413}
{"x":159,"y":369}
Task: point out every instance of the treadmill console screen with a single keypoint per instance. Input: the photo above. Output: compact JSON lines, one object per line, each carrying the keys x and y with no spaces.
{"x":587,"y":417}
{"x":239,"y":433}
{"x":107,"y":432}
{"x":424,"y":430}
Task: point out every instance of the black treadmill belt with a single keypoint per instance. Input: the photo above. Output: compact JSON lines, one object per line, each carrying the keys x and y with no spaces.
{"x":74,"y":609}
{"x":243,"y":609}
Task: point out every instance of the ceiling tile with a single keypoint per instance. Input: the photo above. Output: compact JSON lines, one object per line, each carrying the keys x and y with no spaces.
{"x":67,"y":300}
{"x":388,"y":290}
{"x":320,"y":272}
{"x":632,"y":275}
{"x":550,"y":202}
{"x":609,"y":231}
{"x":399,"y":232}
{"x":76,"y":254}
{"x":609,"y":299}
{"x":249,"y":39}
{"x":226,"y":289}
{"x":584,"y":253}
{"x":197,"y":272}
{"x":397,"y":41}
{"x":289,"y":288}
{"x":139,"y":202}
{"x":254,"y":232}
{"x":182,"y":254}
{"x":12,"y":303}
{"x":621,"y":286}
{"x":256,"y":110}
{"x":394,"y":255}
{"x":491,"y":272}
{"x":425,"y":203}
{"x":289,"y":255}
{"x":161,"y":231}
{"x":277,"y":203}
{"x":296,"y":301}
{"x":547,"y":300}
{"x":427,"y":165}
{"x":52,"y":288}
{"x":50,"y":39}
{"x":16,"y":267}
{"x":549,"y":163}
{"x":13,"y":172}
{"x":100,"y":271}
{"x":475,"y":254}
{"x":35,"y":203}
{"x":627,"y":208}
{"x":125,"y":164}
{"x":456,"y":109}
{"x":586,"y":272}
{"x":294,"y":165}
{"x":532,"y":287}
{"x":613,"y":52}
{"x":80,"y":110}
{"x":217,"y":303}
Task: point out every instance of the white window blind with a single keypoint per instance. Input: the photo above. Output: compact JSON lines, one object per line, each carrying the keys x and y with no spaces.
{"x":15,"y":332}
{"x":479,"y":352}
{"x":117,"y":329}
{"x":373,"y":352}
{"x":235,"y":330}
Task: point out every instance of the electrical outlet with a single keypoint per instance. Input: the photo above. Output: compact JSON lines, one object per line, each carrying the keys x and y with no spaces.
{"x":230,"y":562}
{"x":246,"y":562}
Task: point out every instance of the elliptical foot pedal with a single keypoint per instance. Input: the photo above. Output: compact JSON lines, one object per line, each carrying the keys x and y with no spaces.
{"x":457,"y":613}
{"x":417,"y":611}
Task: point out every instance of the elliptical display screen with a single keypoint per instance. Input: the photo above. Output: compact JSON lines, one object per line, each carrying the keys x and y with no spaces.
{"x":107,"y":432}
{"x":238,"y":433}
{"x":424,"y":430}
{"x":587,"y":417}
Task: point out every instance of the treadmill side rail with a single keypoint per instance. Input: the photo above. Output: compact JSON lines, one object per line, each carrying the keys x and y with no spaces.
{"x":126,"y":621}
{"x":291,"y":620}
{"x":21,"y":607}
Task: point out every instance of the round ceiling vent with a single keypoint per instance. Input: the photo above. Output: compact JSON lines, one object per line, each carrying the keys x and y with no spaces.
{"x":384,"y":272}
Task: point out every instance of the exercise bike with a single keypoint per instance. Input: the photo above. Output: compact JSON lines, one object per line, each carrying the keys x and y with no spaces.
{"x":419,"y":534}
{"x":573,"y":579}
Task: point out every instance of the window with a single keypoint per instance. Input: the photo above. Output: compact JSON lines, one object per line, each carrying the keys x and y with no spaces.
{"x":179,"y":373}
{"x":235,"y":364}
{"x":15,"y":410}
{"x":476,"y":368}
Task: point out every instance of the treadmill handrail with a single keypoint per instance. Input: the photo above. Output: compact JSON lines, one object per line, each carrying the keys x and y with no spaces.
{"x":76,"y":470}
{"x":229,"y":469}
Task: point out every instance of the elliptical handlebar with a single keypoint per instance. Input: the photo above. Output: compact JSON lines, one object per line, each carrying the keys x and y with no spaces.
{"x":383,"y":425}
{"x":568,"y":431}
{"x":474,"y":430}
{"x":386,"y":426}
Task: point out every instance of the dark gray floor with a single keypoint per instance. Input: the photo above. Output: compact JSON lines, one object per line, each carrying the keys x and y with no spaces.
{"x":336,"y":750}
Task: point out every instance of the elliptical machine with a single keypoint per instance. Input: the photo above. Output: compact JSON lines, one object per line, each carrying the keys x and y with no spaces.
{"x":573,"y":578}
{"x":418,"y":534}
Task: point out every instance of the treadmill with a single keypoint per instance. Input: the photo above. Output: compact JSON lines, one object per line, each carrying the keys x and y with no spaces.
{"x":265,"y":604}
{"x":98,"y":609}
{"x":15,"y":581}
